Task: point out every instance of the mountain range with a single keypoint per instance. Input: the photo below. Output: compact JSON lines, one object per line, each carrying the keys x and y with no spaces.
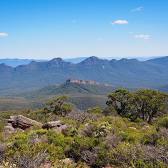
{"x":130,"y":73}
{"x":16,"y":62}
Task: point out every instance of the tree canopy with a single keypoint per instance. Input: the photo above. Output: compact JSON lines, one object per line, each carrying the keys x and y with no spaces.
{"x":144,"y":103}
{"x":58,"y":106}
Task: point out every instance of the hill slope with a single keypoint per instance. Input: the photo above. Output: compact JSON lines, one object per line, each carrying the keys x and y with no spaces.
{"x":82,"y":96}
{"x":71,"y":88}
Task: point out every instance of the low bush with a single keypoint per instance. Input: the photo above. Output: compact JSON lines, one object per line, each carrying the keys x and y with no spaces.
{"x":163,"y":122}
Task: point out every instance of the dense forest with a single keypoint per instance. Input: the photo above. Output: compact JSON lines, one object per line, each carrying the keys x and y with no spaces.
{"x":129,"y":132}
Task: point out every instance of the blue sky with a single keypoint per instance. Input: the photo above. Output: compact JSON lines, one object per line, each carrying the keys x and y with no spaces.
{"x":44,"y":29}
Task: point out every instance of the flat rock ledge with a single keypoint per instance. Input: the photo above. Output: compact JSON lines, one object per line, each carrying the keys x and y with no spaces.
{"x":22,"y":123}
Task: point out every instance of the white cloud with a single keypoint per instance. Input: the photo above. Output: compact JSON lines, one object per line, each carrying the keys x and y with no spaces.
{"x":3,"y":34}
{"x":120,"y":22}
{"x":142,"y":36}
{"x":138,"y":9}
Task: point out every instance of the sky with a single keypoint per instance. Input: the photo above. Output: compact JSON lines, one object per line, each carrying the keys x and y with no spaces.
{"x":44,"y":29}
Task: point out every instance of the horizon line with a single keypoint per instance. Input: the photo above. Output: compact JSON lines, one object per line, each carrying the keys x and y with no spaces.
{"x":100,"y":57}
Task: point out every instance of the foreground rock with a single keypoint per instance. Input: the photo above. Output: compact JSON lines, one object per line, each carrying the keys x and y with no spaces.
{"x":22,"y":122}
{"x":19,"y":123}
{"x":56,"y":125}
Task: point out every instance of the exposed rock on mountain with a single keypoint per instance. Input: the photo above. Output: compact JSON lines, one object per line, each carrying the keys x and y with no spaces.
{"x":84,"y":82}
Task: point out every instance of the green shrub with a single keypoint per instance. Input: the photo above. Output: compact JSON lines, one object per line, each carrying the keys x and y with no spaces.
{"x":163,"y":122}
{"x":95,"y":110}
{"x":151,"y":139}
{"x":58,"y":139}
{"x":79,"y":145}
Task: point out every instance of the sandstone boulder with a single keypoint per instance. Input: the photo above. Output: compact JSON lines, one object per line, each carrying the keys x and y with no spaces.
{"x":22,"y":122}
{"x":55,"y":125}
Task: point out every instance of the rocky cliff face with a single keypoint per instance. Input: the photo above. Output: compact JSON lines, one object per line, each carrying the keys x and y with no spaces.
{"x":84,"y":82}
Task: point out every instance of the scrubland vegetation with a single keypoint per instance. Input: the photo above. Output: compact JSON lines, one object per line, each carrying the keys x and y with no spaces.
{"x":131,"y":132}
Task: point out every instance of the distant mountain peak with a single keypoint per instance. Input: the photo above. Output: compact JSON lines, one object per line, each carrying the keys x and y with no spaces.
{"x":57,"y":63}
{"x":92,"y":60}
{"x":4,"y":65}
{"x":57,"y":60}
{"x":33,"y":62}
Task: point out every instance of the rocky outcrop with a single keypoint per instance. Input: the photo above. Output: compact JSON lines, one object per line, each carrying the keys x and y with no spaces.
{"x":84,"y":82}
{"x":18,"y":123}
{"x":22,"y":122}
{"x":55,"y":125}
